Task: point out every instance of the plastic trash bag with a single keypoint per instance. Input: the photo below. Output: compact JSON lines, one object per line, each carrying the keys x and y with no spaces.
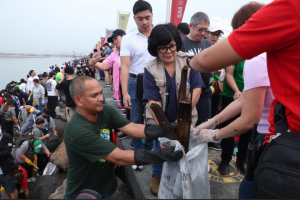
{"x":50,"y":169}
{"x":188,"y":178}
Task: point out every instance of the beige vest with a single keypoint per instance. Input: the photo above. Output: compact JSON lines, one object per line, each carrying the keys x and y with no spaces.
{"x":157,"y":70}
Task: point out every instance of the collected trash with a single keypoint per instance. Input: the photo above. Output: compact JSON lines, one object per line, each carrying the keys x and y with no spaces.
{"x":50,"y":169}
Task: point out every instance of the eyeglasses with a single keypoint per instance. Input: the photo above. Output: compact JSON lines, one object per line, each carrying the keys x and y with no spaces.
{"x":201,"y":30}
{"x":214,"y":34}
{"x":164,"y":50}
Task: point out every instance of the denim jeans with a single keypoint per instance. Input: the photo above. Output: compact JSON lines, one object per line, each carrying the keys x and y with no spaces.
{"x":157,"y":168}
{"x":246,"y":187}
{"x":136,"y":114}
{"x":24,"y":128}
{"x":40,"y":107}
{"x":102,"y":75}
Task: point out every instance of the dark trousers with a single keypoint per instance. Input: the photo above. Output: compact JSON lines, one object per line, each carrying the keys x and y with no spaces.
{"x":28,"y":168}
{"x":204,"y":110}
{"x":52,"y":101}
{"x":42,"y":160}
{"x":214,"y":105}
{"x":228,"y":143}
{"x":102,"y":75}
{"x":10,"y":127}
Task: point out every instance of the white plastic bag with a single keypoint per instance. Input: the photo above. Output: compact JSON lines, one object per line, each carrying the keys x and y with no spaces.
{"x":188,"y":178}
{"x":50,"y":169}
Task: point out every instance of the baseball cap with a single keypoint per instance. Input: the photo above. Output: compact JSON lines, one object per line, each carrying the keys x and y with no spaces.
{"x":214,"y":26}
{"x":16,"y":87}
{"x":38,"y":145}
{"x":114,"y":34}
{"x":52,"y":74}
{"x":69,"y":70}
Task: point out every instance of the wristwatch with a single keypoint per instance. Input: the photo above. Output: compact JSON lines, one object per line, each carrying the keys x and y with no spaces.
{"x":213,"y":135}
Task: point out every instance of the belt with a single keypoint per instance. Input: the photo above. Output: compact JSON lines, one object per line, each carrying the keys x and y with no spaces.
{"x":132,"y":75}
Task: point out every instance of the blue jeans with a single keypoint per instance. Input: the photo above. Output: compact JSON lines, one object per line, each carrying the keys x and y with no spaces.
{"x":204,"y":110}
{"x":24,"y":128}
{"x":136,"y":114}
{"x":246,"y":187}
{"x":102,"y":75}
{"x":157,"y":168}
{"x":40,"y":107}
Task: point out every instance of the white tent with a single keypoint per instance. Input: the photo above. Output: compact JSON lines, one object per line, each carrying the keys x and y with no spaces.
{"x":224,"y":25}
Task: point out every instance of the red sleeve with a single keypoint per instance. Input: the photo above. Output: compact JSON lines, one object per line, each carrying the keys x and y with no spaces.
{"x":270,"y":29}
{"x":24,"y":183}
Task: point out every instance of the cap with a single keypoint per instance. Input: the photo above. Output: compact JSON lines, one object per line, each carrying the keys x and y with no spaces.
{"x":17,"y":87}
{"x":69,"y":70}
{"x":52,"y":74}
{"x":38,"y":145}
{"x":114,"y":34}
{"x":44,"y":75}
{"x":215,"y":26}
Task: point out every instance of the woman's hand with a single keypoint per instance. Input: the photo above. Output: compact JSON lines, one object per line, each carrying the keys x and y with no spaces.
{"x":209,"y":124}
{"x":94,"y":60}
{"x":237,"y":95}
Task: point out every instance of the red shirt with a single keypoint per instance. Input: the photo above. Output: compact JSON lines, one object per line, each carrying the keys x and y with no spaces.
{"x":275,"y":29}
{"x":24,"y":183}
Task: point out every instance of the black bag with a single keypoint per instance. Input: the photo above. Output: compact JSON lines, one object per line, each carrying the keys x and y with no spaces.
{"x":278,"y":172}
{"x":140,"y":89}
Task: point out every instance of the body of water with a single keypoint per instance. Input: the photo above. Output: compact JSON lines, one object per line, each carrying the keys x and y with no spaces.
{"x":14,"y":69}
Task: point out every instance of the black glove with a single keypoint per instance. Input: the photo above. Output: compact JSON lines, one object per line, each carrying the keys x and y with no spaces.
{"x":144,"y":157}
{"x":153,"y":132}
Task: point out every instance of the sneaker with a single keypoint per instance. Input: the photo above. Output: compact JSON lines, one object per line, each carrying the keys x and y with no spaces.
{"x":214,"y":146}
{"x":120,"y":108}
{"x":39,"y":174}
{"x":58,"y":117}
{"x":140,"y":167}
{"x":31,"y":180}
{"x":123,"y":136}
{"x":134,"y":166}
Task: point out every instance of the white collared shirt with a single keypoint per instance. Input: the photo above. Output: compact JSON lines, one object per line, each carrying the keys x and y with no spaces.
{"x":135,"y":45}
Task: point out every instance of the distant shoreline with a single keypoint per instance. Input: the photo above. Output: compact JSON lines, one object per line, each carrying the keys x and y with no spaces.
{"x":32,"y":56}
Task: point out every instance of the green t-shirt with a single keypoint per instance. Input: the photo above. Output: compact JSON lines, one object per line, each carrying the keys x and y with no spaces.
{"x":57,"y":78}
{"x":238,"y":77}
{"x":87,"y":143}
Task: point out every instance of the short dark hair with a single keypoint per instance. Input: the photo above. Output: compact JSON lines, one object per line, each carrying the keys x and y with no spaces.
{"x":161,"y":35}
{"x":141,"y":5}
{"x":47,"y":111}
{"x":77,"y":86}
{"x":36,"y":80}
{"x":184,"y":28}
{"x":30,"y":72}
{"x":19,"y":176}
{"x":39,"y":121}
{"x":44,"y":75}
{"x":245,"y":13}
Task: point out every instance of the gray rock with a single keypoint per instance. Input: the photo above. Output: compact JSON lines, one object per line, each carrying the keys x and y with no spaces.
{"x":44,"y":186}
{"x":59,"y":192}
{"x":59,"y":157}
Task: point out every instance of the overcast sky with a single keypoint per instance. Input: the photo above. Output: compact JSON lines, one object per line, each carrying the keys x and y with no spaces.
{"x":64,"y":26}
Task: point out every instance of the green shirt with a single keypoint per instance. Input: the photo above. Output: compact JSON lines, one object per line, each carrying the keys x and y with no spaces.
{"x":57,"y":78}
{"x":87,"y":143}
{"x":238,"y":77}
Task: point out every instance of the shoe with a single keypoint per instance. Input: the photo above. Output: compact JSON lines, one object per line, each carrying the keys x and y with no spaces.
{"x":123,"y":136}
{"x":58,"y":117}
{"x":134,"y":166}
{"x":241,"y":165}
{"x":120,"y":108}
{"x":31,"y":180}
{"x":155,"y":182}
{"x":214,"y":146}
{"x":140,"y":167}
{"x":39,"y":174}
{"x":223,"y":168}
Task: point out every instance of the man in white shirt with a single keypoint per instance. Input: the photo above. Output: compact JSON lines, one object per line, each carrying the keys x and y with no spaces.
{"x":53,"y":95}
{"x":24,"y":86}
{"x":32,"y":75}
{"x":134,"y":58}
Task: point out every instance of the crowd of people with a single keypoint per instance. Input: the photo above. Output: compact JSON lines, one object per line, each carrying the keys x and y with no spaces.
{"x":241,"y":80}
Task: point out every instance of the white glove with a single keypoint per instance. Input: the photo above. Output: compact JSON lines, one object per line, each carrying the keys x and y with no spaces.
{"x":18,"y":126}
{"x":209,"y":124}
{"x":206,"y":136}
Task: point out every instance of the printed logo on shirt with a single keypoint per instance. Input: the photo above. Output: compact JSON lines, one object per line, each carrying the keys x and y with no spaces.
{"x":49,"y":86}
{"x":194,"y":51}
{"x":105,"y":134}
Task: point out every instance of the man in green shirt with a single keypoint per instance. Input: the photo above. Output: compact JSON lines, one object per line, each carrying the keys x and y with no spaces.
{"x":91,"y":153}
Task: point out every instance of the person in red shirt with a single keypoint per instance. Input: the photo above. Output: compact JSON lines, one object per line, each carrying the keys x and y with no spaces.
{"x":273,"y":29}
{"x":21,"y":178}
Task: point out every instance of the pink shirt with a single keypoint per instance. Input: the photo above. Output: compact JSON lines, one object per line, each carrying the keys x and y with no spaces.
{"x":113,"y":60}
{"x":256,"y":75}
